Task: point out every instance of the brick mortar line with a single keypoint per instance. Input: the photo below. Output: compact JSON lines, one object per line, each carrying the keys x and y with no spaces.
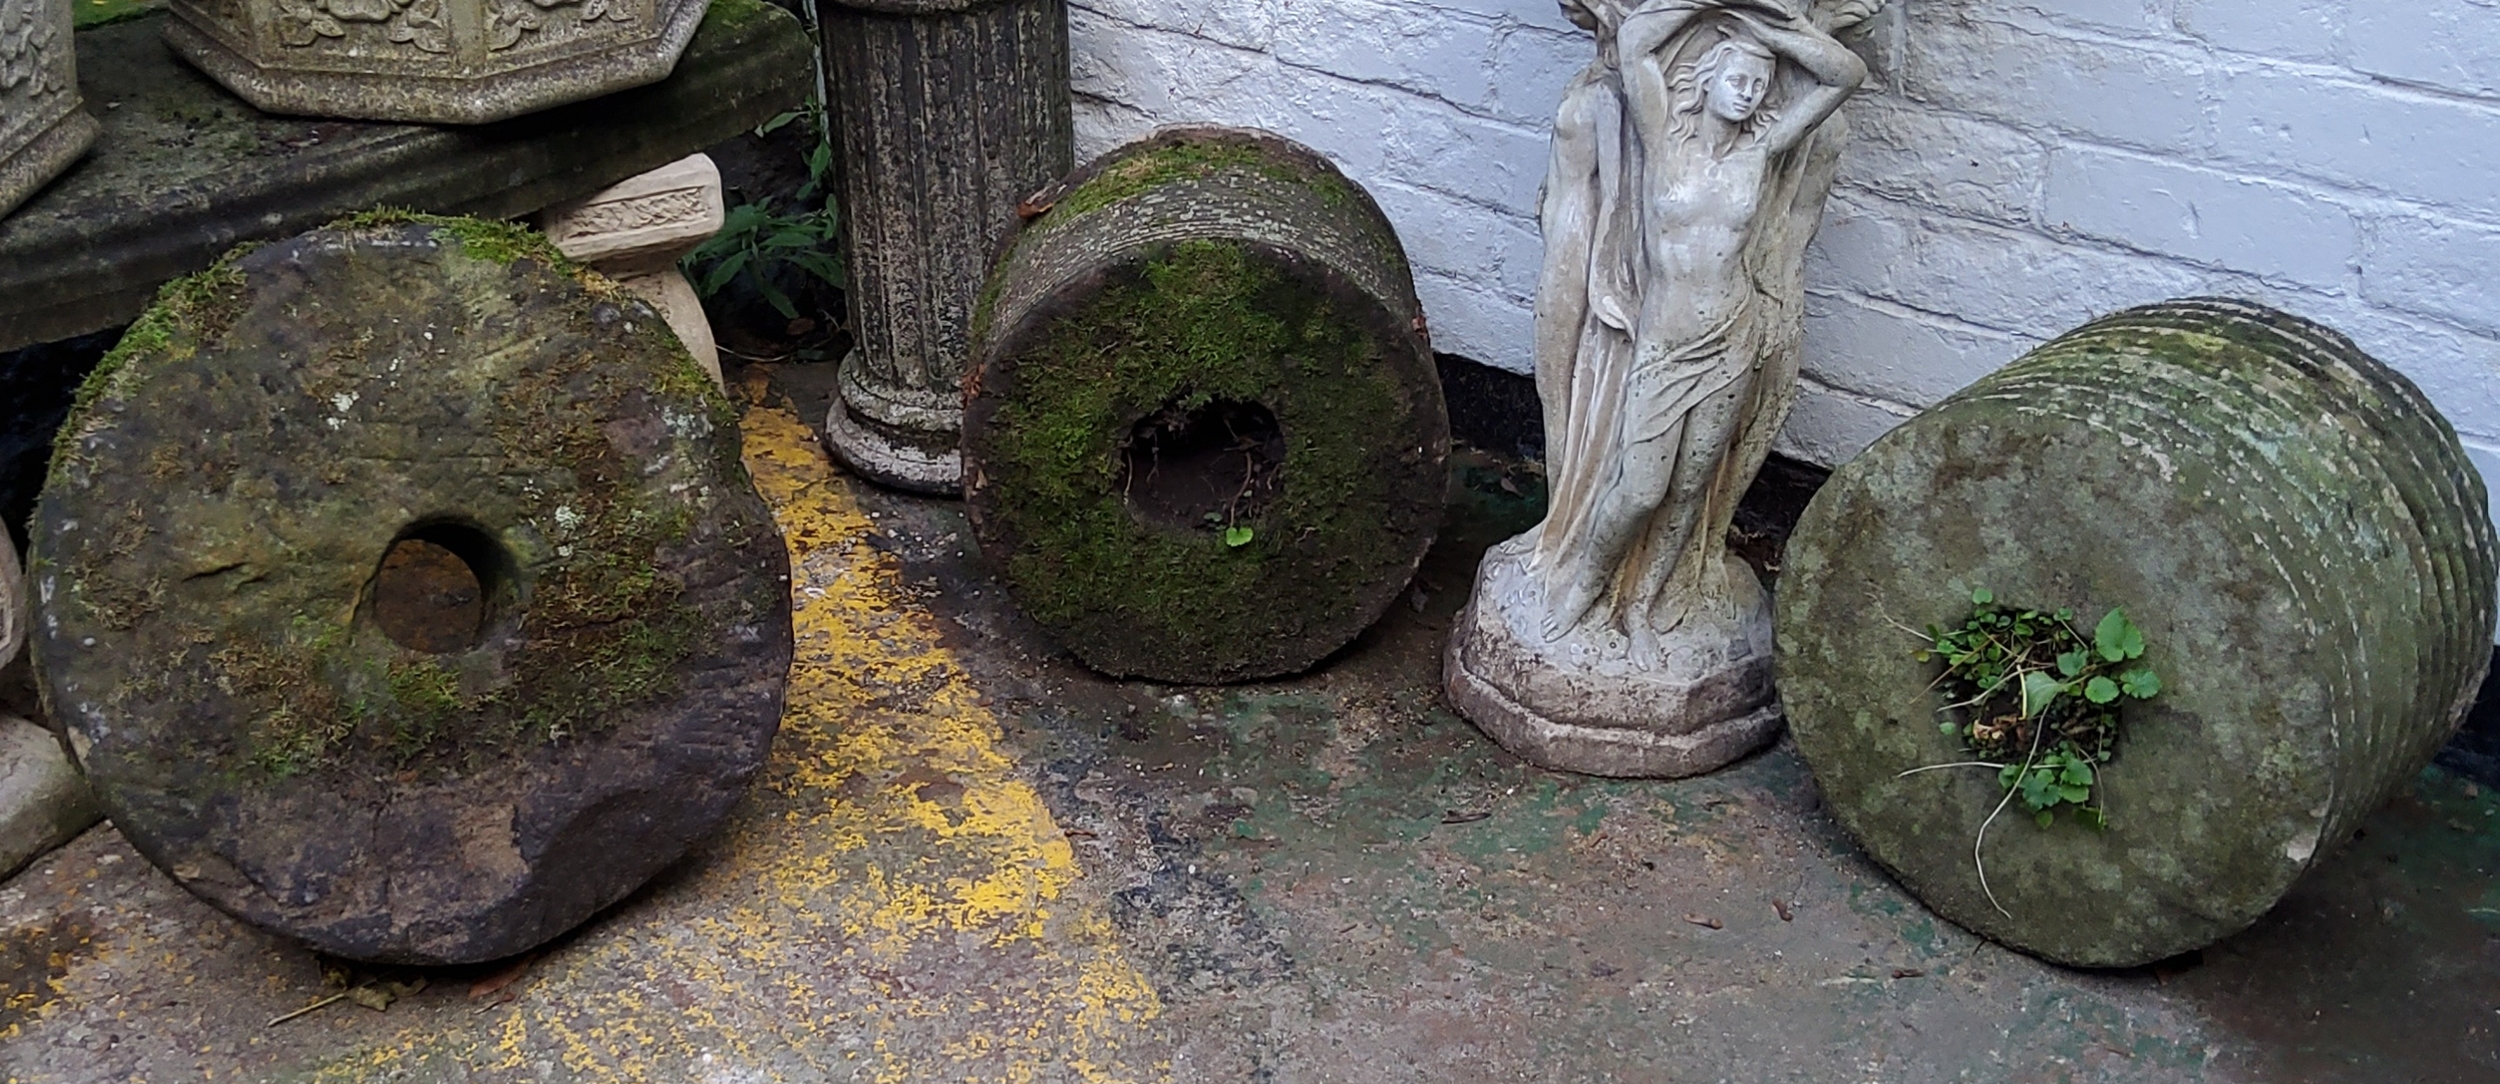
{"x":1511,"y":125}
{"x":2189,"y":47}
{"x":1859,"y":194}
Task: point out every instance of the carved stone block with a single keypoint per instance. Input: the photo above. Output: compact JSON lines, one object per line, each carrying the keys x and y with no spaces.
{"x":635,"y":230}
{"x":433,"y":61}
{"x":42,"y":128}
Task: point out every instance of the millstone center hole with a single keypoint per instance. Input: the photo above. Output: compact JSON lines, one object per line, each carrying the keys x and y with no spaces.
{"x":1207,"y":467}
{"x":437,"y":587}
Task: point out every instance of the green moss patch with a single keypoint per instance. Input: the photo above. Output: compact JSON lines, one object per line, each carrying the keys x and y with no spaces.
{"x":188,"y":311}
{"x":1200,"y":322}
{"x":1154,"y":166}
{"x":87,"y":14}
{"x":555,"y":420}
{"x":487,"y":239}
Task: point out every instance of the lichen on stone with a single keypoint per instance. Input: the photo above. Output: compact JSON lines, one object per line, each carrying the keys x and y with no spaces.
{"x":588,"y":625}
{"x":492,"y":240}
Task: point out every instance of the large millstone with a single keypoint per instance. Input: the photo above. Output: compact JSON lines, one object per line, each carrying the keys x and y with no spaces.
{"x":1206,"y":438}
{"x":403,"y":591}
{"x":2289,"y":521}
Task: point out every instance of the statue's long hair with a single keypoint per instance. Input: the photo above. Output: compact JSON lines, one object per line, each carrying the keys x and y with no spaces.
{"x":1688,"y":86}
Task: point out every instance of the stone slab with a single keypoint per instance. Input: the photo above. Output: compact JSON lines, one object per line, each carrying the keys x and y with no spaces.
{"x":44,"y":802}
{"x":644,"y":222}
{"x":185,"y":170}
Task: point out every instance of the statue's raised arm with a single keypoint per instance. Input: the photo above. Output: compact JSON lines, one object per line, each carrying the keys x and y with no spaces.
{"x":1645,"y":35}
{"x":1837,"y":73}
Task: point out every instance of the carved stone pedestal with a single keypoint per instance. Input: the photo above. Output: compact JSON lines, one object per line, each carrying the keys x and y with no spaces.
{"x":430,"y":61}
{"x":42,"y":128}
{"x":636,"y":230}
{"x":1591,"y":703}
{"x":949,"y":113}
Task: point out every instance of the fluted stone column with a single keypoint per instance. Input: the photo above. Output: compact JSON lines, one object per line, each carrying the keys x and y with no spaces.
{"x":948,"y":114}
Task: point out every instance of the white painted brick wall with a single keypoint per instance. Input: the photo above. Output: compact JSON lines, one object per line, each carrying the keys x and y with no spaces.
{"x":2020,"y":166}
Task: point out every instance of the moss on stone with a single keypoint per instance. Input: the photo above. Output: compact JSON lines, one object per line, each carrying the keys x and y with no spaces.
{"x":89,"y":14}
{"x":728,"y":16}
{"x":188,"y":311}
{"x":595,"y":627}
{"x":1155,"y":166}
{"x":491,"y":240}
{"x":1201,"y":321}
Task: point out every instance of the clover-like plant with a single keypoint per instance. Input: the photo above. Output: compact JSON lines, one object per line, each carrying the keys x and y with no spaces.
{"x":2035,"y":699}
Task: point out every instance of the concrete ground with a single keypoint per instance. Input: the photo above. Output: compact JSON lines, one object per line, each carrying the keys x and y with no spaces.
{"x":971,"y":860}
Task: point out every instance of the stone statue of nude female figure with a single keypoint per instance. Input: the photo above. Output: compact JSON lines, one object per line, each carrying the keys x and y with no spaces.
{"x":1689,"y":163}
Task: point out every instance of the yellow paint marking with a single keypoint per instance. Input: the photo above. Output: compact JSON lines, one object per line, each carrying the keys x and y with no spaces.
{"x":893,"y":904}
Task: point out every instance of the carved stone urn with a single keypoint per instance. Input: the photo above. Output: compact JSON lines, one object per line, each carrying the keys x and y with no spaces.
{"x":430,"y":61}
{"x":42,"y":128}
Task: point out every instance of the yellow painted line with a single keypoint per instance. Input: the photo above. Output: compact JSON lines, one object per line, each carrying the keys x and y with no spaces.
{"x":895,"y":903}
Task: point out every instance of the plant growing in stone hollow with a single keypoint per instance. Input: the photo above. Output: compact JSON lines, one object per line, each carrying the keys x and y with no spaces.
{"x":2038,"y":701}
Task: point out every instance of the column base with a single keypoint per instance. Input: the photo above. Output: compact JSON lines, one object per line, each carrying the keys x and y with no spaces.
{"x":918,"y":453}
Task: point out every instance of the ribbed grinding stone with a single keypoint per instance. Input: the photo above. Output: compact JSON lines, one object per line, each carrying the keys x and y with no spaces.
{"x":2290,"y":522}
{"x":402,"y":591}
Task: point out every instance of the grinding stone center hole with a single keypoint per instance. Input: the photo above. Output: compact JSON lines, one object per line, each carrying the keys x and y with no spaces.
{"x":1206,"y":467}
{"x":437,"y":587}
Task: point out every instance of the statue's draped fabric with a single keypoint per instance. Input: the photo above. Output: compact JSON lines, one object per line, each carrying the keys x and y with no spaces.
{"x":1699,"y":387}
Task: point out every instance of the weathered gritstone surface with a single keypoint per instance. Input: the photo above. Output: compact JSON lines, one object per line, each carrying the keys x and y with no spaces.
{"x":1206,"y":436}
{"x":2290,"y":523}
{"x":403,"y":590}
{"x":894,"y":903}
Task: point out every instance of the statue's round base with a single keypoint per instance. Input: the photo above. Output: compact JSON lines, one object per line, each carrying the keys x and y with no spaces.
{"x":1583,"y":703}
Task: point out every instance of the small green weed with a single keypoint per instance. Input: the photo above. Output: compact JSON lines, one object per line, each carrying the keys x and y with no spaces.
{"x":2038,"y":701}
{"x":771,"y":252}
{"x":768,"y":250}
